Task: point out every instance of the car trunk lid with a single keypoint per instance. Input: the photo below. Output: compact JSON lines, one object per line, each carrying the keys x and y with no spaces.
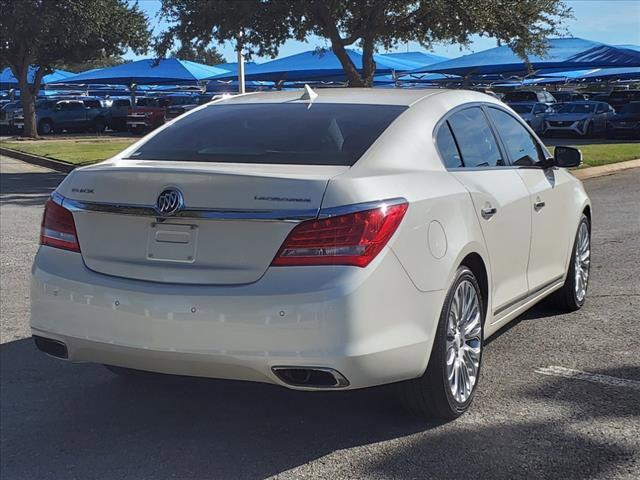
{"x":234,"y":219}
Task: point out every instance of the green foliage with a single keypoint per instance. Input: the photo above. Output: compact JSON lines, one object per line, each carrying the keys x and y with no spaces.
{"x":198,"y":53}
{"x":46,"y":33}
{"x":524,"y":25}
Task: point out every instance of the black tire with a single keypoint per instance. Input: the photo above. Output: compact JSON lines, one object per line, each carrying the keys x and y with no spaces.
{"x":45,"y":127}
{"x":566,"y":299}
{"x":429,"y":396}
{"x":138,"y":130}
{"x":99,"y":125}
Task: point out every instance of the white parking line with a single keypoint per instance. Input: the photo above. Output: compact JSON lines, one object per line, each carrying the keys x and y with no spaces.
{"x":589,"y":377}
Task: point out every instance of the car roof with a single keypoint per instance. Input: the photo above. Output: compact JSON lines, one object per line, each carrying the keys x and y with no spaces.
{"x":366,"y":96}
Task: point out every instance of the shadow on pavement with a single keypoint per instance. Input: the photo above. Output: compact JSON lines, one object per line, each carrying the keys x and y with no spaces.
{"x":26,"y":189}
{"x":61,"y":420}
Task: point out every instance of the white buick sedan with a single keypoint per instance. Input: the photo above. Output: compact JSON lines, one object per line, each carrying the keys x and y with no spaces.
{"x":337,"y":239}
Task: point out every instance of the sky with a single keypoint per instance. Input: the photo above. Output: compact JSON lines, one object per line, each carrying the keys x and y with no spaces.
{"x":615,"y":22}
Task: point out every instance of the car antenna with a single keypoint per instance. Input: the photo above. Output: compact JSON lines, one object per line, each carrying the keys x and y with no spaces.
{"x":309,"y":94}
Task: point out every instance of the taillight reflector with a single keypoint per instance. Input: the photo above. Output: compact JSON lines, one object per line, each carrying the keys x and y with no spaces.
{"x":58,"y":228}
{"x":351,"y":239}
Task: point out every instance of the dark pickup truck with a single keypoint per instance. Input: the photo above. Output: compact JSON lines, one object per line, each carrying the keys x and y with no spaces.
{"x":71,"y":115}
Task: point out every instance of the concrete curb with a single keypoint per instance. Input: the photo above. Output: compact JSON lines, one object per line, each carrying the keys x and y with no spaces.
{"x":603,"y":170}
{"x":37,"y":160}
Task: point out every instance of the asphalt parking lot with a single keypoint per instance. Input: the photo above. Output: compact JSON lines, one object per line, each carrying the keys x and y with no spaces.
{"x":559,"y":394}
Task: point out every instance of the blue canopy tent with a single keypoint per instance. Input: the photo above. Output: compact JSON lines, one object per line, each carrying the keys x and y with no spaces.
{"x":148,"y":71}
{"x":7,"y":80}
{"x":314,"y":66}
{"x":631,"y":73}
{"x":416,"y":57}
{"x":420,"y":58}
{"x":563,"y":54}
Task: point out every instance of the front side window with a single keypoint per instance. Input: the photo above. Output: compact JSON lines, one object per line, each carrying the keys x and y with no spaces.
{"x":447,"y":147}
{"x":522,"y":148}
{"x":540,"y":109}
{"x":521,"y":107}
{"x":272,"y":133}
{"x":478,"y":145}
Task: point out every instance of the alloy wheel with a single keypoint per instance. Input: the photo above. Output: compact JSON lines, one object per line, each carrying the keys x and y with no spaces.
{"x":464,"y":341}
{"x":582,"y":262}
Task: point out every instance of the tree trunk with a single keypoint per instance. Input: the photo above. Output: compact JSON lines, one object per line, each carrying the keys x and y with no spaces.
{"x":368,"y":63}
{"x":353,"y":76}
{"x":28,"y":96}
{"x":337,"y":44}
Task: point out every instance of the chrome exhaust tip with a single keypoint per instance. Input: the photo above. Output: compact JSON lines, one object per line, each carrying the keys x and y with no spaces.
{"x":311,"y":377}
{"x":55,"y":348}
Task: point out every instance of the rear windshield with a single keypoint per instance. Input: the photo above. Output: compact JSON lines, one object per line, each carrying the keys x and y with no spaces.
{"x":274,"y":133}
{"x":520,"y":96}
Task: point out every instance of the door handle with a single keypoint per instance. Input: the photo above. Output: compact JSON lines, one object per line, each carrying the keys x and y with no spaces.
{"x":488,"y":212}
{"x":538,"y":205}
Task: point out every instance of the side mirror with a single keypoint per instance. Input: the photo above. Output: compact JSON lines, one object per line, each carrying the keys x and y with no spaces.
{"x":567,"y":157}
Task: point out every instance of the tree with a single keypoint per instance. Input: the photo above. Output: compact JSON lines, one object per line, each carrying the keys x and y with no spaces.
{"x":198,"y":53}
{"x":46,"y":33}
{"x":524,"y":25}
{"x":101,"y":62}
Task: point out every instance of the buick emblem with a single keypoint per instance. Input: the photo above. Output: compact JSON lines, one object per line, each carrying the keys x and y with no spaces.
{"x":169,"y":202}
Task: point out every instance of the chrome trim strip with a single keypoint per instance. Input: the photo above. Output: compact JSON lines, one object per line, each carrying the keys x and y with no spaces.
{"x":202,"y":214}
{"x":528,"y":296}
{"x":294,"y":216}
{"x":359,"y":207}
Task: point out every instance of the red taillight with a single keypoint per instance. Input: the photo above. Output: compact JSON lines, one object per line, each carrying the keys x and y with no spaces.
{"x":352,"y":239}
{"x":58,"y":228}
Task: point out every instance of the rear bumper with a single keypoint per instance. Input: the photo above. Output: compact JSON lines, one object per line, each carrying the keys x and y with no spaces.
{"x":371,"y":325}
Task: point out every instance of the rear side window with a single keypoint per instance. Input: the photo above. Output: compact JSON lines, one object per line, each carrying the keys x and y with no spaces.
{"x":476,"y":141}
{"x":272,"y":133}
{"x":523,"y":150}
{"x":92,"y":103}
{"x":447,"y":147}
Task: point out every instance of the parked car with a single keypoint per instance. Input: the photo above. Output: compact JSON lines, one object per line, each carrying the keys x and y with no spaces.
{"x":539,"y":96}
{"x":7,"y":112}
{"x":120,"y":107}
{"x":318,"y":241}
{"x":70,"y":115}
{"x":625,"y":123}
{"x":584,"y":118}
{"x":564,"y":97}
{"x":619,"y":98}
{"x":149,"y":113}
{"x":176,"y":104}
{"x":532,"y":113}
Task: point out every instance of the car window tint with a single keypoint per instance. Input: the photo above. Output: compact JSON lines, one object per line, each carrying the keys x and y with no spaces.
{"x":447,"y":147}
{"x":522,"y":148}
{"x":475,"y":138}
{"x":272,"y":133}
